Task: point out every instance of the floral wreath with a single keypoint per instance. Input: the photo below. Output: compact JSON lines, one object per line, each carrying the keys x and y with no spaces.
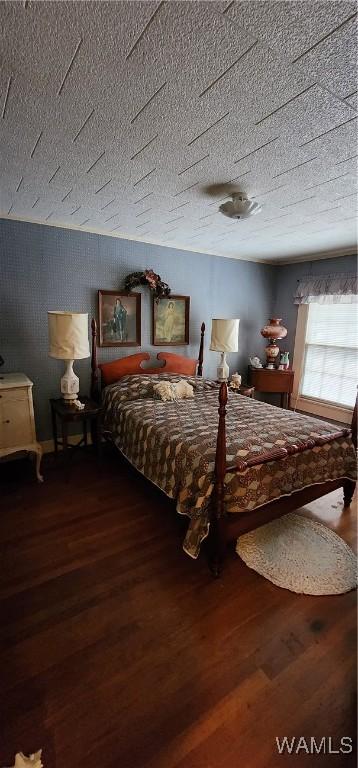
{"x":149,"y":278}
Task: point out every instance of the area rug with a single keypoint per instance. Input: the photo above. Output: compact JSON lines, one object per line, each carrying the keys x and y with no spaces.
{"x":300,"y":554}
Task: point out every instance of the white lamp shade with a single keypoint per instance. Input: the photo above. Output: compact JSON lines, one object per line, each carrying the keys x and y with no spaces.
{"x":224,"y":335}
{"x":68,"y":334}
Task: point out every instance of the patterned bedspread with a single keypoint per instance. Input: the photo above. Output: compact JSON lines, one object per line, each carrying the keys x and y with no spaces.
{"x":173,"y":445}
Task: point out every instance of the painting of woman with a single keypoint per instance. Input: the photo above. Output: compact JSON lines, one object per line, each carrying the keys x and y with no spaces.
{"x":171,"y":321}
{"x":168,"y":323}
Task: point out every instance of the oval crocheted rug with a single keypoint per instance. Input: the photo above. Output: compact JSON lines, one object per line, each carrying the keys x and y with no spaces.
{"x":300,"y":554}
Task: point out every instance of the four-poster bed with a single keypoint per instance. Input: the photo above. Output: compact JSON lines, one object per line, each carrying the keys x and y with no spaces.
{"x":304,"y":442}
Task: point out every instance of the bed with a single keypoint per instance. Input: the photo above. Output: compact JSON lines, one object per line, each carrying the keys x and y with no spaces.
{"x":230,"y":468}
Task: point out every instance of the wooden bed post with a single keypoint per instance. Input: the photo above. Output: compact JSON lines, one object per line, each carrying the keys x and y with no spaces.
{"x":349,"y":485}
{"x":95,"y":395}
{"x":201,"y":350}
{"x":220,"y":457}
{"x":217,"y":523}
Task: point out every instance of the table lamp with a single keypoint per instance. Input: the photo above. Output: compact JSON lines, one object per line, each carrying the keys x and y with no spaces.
{"x":273,"y":331}
{"x":224,"y":338}
{"x":68,"y":335}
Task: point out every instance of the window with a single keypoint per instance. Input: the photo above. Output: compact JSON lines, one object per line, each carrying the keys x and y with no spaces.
{"x":326,"y":360}
{"x":330,"y":366}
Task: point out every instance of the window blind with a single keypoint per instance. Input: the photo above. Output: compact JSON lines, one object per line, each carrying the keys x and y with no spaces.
{"x":330,"y":369}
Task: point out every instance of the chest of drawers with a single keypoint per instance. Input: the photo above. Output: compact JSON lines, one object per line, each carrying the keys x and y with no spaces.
{"x":17,"y":423}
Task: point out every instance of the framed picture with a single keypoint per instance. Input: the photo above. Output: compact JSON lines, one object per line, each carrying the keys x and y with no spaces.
{"x":171,"y":321}
{"x":119,"y":319}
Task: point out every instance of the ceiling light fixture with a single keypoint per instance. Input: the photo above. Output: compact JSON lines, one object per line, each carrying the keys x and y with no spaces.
{"x":240,"y":207}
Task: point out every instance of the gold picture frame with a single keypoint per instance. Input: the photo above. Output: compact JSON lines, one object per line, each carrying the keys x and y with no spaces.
{"x":119,"y":315}
{"x":170,"y":326}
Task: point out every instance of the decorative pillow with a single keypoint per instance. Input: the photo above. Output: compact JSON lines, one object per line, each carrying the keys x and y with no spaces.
{"x":201,"y":385}
{"x":166,"y":390}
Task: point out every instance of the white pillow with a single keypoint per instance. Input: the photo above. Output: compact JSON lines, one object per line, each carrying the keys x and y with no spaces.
{"x":165,"y":390}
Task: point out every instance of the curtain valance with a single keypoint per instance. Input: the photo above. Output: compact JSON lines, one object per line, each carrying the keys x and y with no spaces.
{"x":327,"y":289}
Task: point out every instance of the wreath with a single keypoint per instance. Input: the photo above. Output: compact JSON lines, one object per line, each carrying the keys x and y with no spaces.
{"x":158,"y":288}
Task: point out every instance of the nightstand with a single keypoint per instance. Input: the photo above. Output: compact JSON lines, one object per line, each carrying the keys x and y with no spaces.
{"x":273,"y":380}
{"x":66,"y":414}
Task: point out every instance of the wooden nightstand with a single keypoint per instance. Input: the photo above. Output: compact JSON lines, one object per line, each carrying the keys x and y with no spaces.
{"x":67,"y":414}
{"x":266,"y":380}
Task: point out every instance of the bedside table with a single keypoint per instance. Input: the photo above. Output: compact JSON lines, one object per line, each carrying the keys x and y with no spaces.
{"x":67,"y":414}
{"x":266,"y":380}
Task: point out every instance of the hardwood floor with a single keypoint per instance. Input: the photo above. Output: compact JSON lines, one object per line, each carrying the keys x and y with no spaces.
{"x":118,"y":650}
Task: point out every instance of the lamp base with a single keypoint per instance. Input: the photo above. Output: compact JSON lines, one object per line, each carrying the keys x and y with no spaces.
{"x":222,"y":369}
{"x":272,"y":352}
{"x":70,"y":384}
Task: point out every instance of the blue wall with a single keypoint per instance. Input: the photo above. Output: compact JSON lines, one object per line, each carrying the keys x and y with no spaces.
{"x":45,"y":268}
{"x":286,"y":283}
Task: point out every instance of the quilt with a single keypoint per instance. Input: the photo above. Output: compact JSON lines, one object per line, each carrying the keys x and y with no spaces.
{"x":173,"y":444}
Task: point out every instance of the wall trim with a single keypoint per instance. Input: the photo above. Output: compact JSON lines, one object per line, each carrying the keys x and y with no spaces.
{"x":324,"y":409}
{"x":299,"y":348}
{"x":352,"y":251}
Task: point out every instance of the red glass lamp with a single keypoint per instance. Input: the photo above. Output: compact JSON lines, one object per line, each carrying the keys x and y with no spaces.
{"x":273,"y":331}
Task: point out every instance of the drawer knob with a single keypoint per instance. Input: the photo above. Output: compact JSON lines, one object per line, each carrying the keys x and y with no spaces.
{"x":7,"y":421}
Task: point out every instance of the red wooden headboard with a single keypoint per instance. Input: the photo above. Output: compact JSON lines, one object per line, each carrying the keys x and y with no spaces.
{"x":132,"y":364}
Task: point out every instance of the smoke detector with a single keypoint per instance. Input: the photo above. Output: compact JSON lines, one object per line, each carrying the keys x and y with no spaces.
{"x":240,"y":207}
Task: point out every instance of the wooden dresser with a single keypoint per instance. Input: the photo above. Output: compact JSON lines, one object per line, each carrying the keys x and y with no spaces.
{"x":266,"y":380}
{"x":17,"y":423}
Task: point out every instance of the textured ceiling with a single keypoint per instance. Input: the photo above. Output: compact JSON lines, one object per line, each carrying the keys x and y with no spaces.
{"x":116,"y":117}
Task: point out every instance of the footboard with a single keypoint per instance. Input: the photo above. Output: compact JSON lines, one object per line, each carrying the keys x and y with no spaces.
{"x":224,"y":527}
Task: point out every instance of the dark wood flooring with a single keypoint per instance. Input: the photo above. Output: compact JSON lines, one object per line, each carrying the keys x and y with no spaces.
{"x":118,"y":650}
